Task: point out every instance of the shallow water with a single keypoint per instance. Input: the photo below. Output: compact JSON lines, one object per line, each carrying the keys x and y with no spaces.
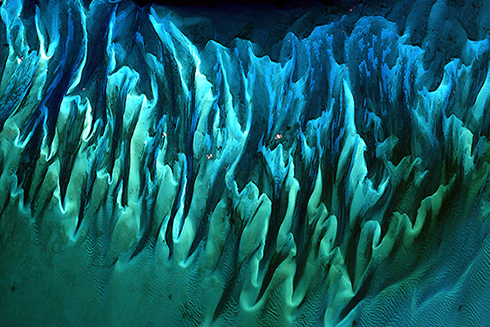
{"x":314,"y":166}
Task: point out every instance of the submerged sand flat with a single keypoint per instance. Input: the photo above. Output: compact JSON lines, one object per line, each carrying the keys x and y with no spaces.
{"x":310,"y":166}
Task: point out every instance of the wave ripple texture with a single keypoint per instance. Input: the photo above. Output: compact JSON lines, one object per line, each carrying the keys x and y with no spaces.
{"x":158,"y":169}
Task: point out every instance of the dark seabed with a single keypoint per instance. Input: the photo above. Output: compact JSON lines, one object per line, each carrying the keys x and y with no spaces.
{"x":305,"y":164}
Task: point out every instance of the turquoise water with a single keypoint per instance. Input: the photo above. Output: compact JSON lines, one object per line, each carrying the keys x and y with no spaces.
{"x":159,"y":170}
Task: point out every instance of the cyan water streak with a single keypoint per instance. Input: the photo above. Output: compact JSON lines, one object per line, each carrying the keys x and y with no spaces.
{"x":335,"y":179}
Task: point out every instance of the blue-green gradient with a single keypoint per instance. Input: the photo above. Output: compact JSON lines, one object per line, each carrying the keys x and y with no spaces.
{"x":162,"y":168}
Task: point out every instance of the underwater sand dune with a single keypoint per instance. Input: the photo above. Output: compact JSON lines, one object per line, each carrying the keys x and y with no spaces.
{"x":159,"y":169}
